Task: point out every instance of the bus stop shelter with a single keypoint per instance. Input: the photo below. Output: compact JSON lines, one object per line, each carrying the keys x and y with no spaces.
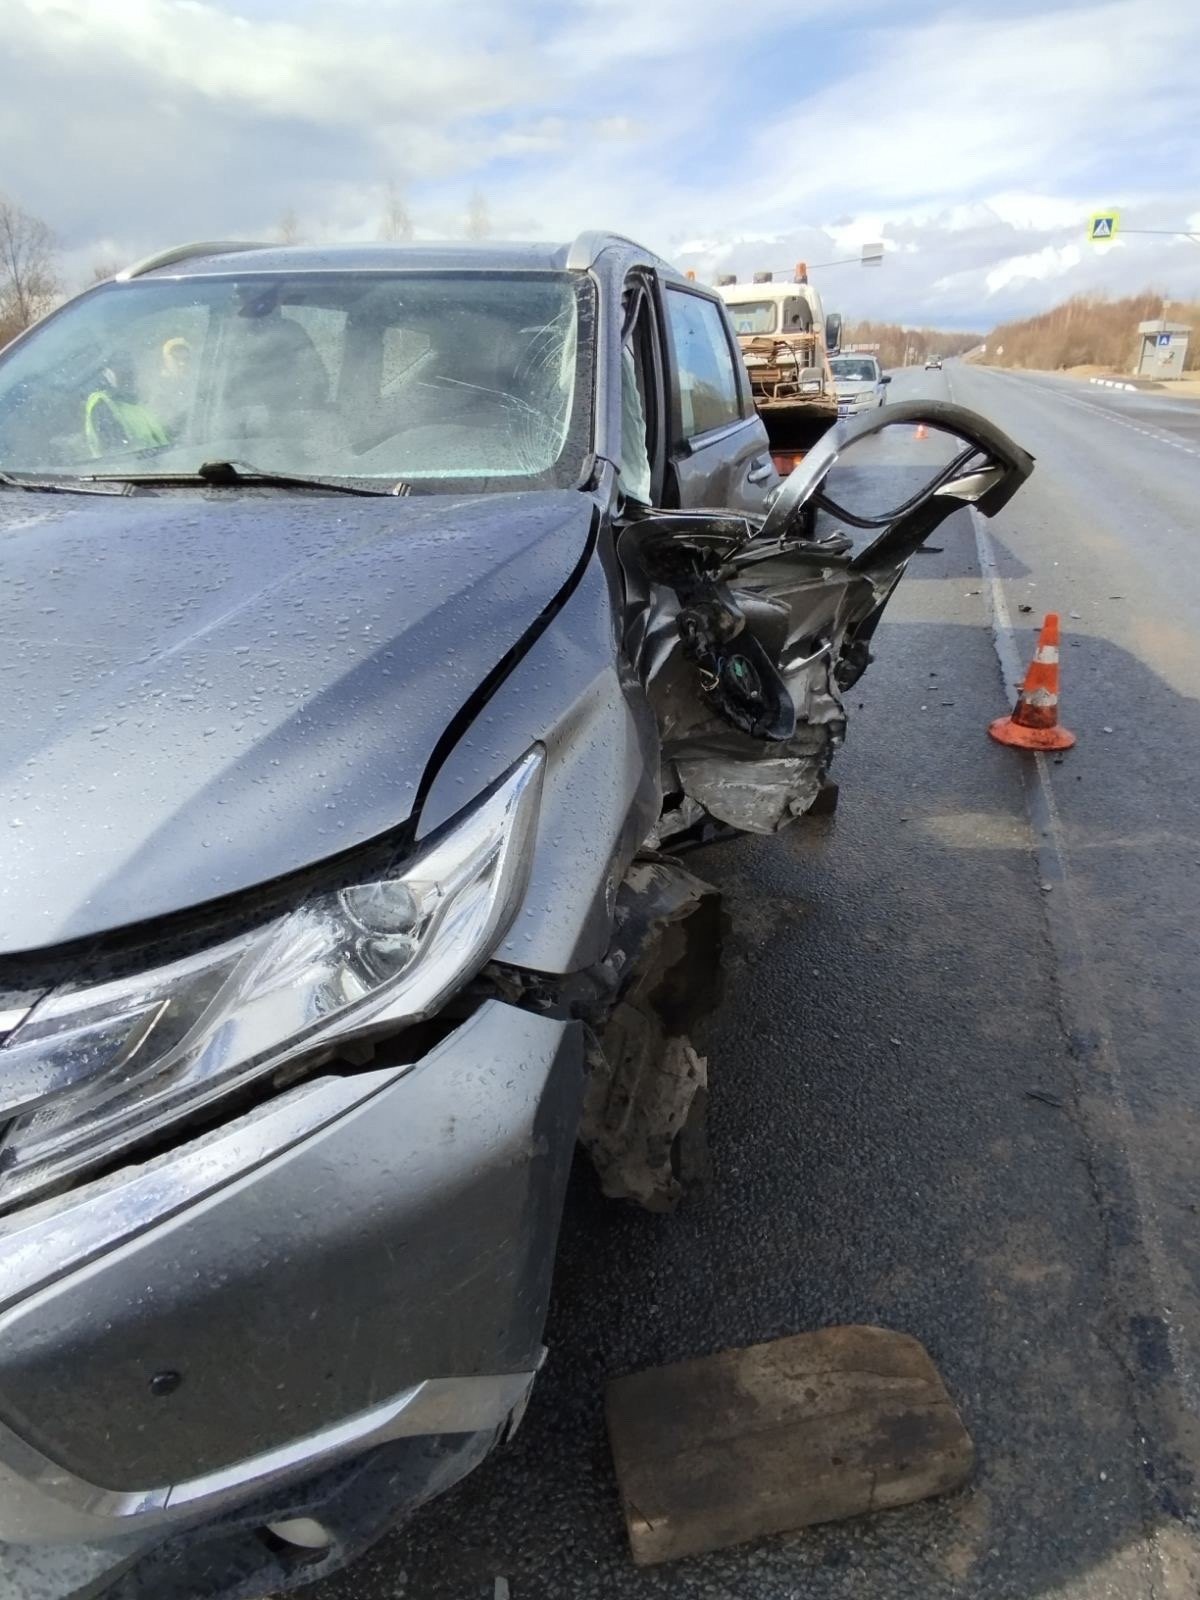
{"x":1162,"y":349}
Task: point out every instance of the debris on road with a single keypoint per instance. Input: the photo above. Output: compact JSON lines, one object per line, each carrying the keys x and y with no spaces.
{"x":1040,"y":1094}
{"x":773,"y":1437}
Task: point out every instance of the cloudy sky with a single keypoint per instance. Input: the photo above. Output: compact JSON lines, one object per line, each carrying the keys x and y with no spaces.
{"x":974,"y":137}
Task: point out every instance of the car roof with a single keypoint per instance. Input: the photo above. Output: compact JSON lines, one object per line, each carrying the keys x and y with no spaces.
{"x":604,"y":253}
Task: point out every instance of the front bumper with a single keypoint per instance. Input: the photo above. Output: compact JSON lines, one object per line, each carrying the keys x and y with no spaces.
{"x":364,"y":1261}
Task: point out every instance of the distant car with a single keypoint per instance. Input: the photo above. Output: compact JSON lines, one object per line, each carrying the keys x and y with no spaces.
{"x":859,"y":384}
{"x":934,"y":363}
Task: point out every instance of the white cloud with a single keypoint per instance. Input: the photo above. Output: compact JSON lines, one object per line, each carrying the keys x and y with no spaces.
{"x":317,"y":70}
{"x":1049,"y":262}
{"x":852,"y":233}
{"x":601,"y":35}
{"x":968,"y":104}
{"x":1038,"y":211}
{"x":972,"y":138}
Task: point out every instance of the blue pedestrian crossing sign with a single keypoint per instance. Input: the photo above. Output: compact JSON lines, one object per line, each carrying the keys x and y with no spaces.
{"x":1103,"y":226}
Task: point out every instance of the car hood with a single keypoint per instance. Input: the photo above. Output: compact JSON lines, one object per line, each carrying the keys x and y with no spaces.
{"x":849,"y":387}
{"x":204,"y":691}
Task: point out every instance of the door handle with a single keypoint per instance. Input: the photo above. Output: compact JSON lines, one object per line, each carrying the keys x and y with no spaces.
{"x":760,"y":470}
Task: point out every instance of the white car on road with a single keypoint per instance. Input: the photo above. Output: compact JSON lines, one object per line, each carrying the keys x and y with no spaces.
{"x":859,"y":384}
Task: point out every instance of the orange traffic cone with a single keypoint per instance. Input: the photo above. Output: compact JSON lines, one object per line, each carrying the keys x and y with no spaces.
{"x":922,"y":431}
{"x":1034,"y":721}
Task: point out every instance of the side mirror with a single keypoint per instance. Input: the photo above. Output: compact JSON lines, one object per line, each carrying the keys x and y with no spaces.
{"x":983,"y":468}
{"x":885,"y":377}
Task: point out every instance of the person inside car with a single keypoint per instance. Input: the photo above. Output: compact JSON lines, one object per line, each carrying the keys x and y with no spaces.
{"x":115,"y":417}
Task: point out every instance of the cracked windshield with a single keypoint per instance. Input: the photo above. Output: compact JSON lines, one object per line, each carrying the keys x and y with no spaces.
{"x":423,"y":378}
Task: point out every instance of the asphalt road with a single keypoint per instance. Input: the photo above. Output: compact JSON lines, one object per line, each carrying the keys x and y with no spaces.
{"x":953,"y":1079}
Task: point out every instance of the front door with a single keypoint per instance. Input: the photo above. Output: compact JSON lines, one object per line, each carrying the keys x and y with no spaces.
{"x":719,"y":452}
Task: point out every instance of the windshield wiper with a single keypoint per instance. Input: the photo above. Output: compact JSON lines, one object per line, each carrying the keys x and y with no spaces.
{"x":14,"y":480}
{"x":234,"y":474}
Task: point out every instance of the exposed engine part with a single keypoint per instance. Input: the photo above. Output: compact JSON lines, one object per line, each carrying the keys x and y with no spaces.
{"x":735,"y":782}
{"x":741,"y":682}
{"x":856,"y":658}
{"x":729,"y":638}
{"x":742,"y":651}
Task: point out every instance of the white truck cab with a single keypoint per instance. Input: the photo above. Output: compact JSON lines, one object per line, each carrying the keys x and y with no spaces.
{"x":785,"y":337}
{"x":759,"y":310}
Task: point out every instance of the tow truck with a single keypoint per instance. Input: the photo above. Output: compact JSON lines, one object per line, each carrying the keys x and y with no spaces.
{"x":786,"y":339}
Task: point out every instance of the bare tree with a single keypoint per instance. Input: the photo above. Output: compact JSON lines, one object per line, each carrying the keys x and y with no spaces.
{"x":102,"y":271}
{"x":479,"y":222}
{"x":396,"y":226}
{"x":289,"y":227}
{"x":28,"y":275}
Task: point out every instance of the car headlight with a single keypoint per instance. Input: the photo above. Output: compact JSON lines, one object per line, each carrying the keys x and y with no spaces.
{"x":93,"y":1069}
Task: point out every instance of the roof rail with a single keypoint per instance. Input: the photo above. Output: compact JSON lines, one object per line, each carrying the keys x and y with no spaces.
{"x":590,"y":243}
{"x":183,"y":252}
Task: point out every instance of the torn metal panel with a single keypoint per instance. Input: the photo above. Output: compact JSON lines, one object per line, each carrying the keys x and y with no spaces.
{"x":734,"y":780}
{"x":756,"y":796}
{"x":739,"y":649}
{"x":643,"y":1089}
{"x":643,"y":1110}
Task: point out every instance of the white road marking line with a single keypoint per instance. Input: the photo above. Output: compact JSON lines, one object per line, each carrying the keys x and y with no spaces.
{"x":1068,"y":931}
{"x":1111,"y":416}
{"x":1080,"y":989}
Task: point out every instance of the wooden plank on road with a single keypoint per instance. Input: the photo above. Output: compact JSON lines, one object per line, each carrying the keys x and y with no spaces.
{"x":777,"y":1436}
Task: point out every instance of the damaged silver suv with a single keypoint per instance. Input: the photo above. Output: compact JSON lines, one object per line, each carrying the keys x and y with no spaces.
{"x":378,"y":622}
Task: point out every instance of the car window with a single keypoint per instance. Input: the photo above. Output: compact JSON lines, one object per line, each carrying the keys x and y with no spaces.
{"x":754,"y":316}
{"x":635,"y":456}
{"x":165,"y":355}
{"x":708,"y":388}
{"x":860,"y":370}
{"x":326,"y":330}
{"x":473,"y":379}
{"x":404,"y":354}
